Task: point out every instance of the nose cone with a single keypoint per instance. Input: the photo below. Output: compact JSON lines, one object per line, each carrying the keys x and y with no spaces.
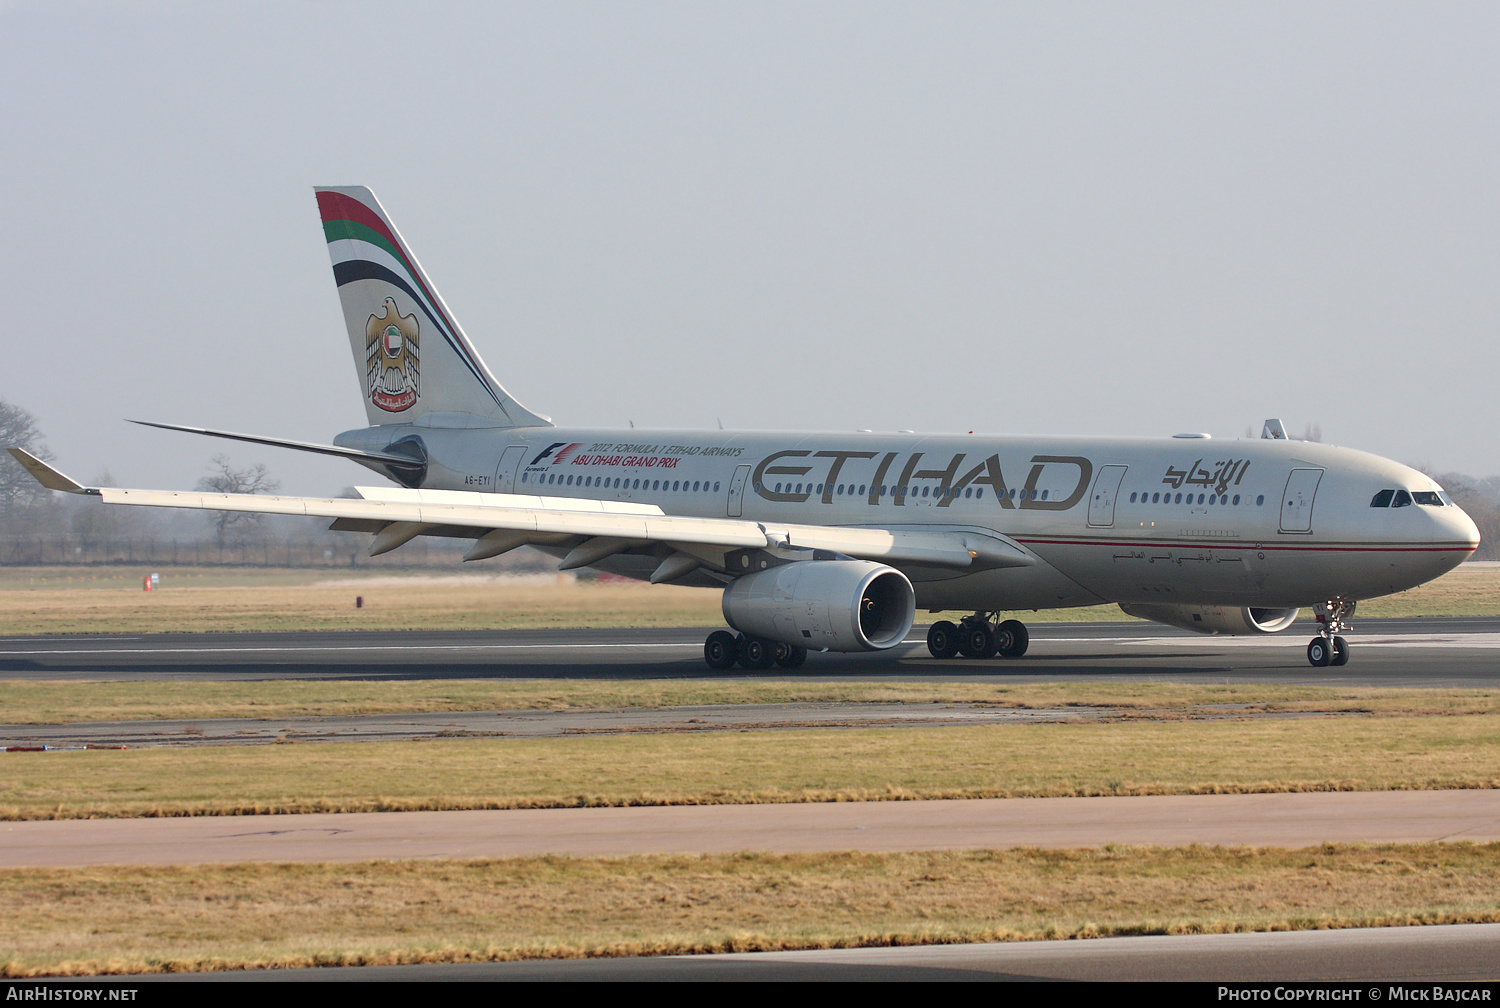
{"x":1449,"y":539}
{"x":1457,"y":527}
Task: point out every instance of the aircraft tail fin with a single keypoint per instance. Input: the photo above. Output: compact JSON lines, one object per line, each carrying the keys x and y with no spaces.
{"x":413,"y":360}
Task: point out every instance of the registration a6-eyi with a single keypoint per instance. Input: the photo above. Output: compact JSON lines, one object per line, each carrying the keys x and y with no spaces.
{"x":834,"y":541}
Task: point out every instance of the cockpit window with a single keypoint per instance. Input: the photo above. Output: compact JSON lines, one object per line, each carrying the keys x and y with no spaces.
{"x":1382,"y":499}
{"x":1429,"y":497}
{"x":1403,"y":499}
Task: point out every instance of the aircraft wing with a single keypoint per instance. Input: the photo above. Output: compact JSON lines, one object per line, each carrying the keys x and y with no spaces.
{"x":591,"y":529}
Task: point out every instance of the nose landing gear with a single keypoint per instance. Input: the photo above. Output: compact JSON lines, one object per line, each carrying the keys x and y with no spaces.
{"x":1328,"y":648}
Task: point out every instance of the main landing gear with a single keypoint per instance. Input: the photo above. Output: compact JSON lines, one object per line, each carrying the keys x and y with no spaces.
{"x":723,"y":650}
{"x":1328,"y":648}
{"x":982,"y":635}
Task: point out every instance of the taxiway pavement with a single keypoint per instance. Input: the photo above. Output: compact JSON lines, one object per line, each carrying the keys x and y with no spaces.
{"x":1279,"y":820}
{"x":1352,"y":959}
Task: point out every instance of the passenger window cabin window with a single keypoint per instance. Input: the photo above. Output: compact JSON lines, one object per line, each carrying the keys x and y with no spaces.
{"x":1382,"y":499}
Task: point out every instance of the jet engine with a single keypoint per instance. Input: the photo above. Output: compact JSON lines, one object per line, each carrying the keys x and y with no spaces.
{"x":824,"y":605}
{"x":1214,"y":619}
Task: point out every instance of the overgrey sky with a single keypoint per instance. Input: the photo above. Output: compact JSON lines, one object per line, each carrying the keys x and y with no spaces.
{"x":1019,"y":218}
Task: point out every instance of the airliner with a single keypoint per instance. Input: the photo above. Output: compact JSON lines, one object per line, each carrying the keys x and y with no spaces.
{"x":832,"y":541}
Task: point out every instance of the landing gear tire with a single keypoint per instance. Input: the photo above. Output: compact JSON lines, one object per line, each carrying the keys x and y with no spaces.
{"x":720,"y":650}
{"x":789,"y":655}
{"x":1012,"y":639}
{"x":976,"y":641}
{"x":1333,"y":649}
{"x":942,"y":639}
{"x":757,"y":653}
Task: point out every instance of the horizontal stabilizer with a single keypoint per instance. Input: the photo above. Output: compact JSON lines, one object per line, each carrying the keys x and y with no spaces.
{"x":403,"y":462}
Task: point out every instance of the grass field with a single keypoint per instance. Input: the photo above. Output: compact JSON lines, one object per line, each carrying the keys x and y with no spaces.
{"x":110,"y":600}
{"x":25,"y":701}
{"x":202,"y":602}
{"x":862,"y":764}
{"x":125,"y":920}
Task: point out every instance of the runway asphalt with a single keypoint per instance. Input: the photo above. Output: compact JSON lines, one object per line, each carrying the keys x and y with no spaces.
{"x":1453,"y":652}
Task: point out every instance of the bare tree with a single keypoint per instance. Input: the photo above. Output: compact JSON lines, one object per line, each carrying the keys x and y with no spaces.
{"x":23,"y":501}
{"x":224,"y":478}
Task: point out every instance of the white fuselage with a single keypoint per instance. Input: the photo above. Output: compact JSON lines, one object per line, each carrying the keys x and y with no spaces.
{"x":1253,"y":522}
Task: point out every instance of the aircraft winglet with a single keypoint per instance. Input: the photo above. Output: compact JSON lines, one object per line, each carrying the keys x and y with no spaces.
{"x":48,"y":476}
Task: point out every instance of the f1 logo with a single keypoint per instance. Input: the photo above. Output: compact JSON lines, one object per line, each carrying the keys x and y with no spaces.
{"x":551,"y":449}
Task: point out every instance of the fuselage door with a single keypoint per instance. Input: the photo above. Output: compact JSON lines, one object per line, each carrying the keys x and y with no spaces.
{"x":1102,"y":501}
{"x":737,"y":491}
{"x":1297,"y":501}
{"x":505,"y":472}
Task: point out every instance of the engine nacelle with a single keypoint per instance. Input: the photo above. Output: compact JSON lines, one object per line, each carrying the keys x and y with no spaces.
{"x":1214,"y":619}
{"x":829,"y":605}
